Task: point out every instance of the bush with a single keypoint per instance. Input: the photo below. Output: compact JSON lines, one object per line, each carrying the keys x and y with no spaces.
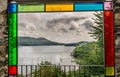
{"x":46,"y":69}
{"x":89,"y":54}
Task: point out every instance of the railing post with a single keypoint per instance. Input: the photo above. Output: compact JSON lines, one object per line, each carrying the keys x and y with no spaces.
{"x":40,"y":71}
{"x":64,"y":71}
{"x":35,"y":70}
{"x":79,"y":71}
{"x":21,"y":70}
{"x":74,"y":72}
{"x":49,"y":70}
{"x":69,"y":71}
{"x":89,"y":71}
{"x":26,"y":70}
{"x":31,"y":70}
{"x":84,"y":70}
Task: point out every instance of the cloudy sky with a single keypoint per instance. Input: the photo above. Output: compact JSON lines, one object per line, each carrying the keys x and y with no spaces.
{"x":64,"y":27}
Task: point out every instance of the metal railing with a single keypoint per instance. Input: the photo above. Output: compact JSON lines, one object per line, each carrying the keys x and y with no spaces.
{"x":60,"y":71}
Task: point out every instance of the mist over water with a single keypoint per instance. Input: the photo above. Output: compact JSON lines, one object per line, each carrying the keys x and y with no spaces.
{"x":32,"y":55}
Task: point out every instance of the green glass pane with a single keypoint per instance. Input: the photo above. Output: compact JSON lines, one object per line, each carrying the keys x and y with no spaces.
{"x":13,"y":57}
{"x":29,"y":8}
{"x":12,"y":36}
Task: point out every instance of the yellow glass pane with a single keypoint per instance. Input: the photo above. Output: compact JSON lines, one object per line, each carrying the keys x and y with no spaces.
{"x":109,"y":71}
{"x":59,"y":7}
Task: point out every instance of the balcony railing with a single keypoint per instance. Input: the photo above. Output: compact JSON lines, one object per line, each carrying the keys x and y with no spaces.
{"x":60,"y":71}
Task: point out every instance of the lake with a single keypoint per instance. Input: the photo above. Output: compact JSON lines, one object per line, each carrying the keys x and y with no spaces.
{"x":32,"y":55}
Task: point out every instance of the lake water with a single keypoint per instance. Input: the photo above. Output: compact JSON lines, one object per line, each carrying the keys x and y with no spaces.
{"x":32,"y":55}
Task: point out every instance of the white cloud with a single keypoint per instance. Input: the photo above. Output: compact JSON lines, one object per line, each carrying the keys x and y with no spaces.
{"x":60,"y":27}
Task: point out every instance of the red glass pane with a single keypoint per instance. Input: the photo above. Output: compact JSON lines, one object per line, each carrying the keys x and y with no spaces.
{"x":109,"y":38}
{"x":12,"y":70}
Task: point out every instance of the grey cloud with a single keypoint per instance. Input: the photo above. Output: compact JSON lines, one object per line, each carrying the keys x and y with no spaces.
{"x":64,"y":30}
{"x":88,"y":25}
{"x":66,"y":20}
{"x":31,"y":28}
{"x":22,"y":25}
{"x":56,"y":26}
{"x":72,"y":27}
{"x":63,"y":24}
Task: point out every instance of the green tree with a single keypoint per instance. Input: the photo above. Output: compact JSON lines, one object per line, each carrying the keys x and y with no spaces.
{"x":46,"y":69}
{"x":87,"y":54}
{"x":92,"y":52}
{"x":97,"y":33}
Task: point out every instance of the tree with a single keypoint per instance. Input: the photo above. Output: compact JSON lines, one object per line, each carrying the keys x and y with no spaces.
{"x":87,"y":54}
{"x":98,"y":34}
{"x":92,"y":52}
{"x":46,"y":69}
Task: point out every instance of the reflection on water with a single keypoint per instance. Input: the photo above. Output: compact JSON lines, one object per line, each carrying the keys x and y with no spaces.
{"x":55,"y":54}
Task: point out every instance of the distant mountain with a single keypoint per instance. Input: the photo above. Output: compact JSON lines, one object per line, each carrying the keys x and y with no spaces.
{"x":30,"y":41}
{"x":75,"y":44}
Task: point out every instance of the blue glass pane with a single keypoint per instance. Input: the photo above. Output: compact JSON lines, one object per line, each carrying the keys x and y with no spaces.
{"x":89,"y":6}
{"x":12,"y":7}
